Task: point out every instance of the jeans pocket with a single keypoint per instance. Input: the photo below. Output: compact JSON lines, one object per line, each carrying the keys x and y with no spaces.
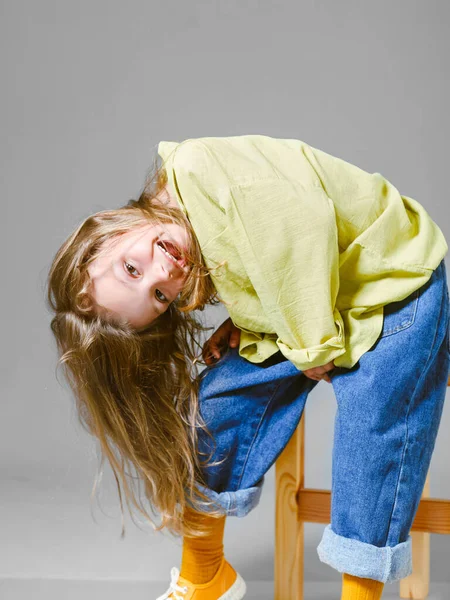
{"x":448,"y":336}
{"x":400,"y":315}
{"x":224,"y":354}
{"x":448,"y":319}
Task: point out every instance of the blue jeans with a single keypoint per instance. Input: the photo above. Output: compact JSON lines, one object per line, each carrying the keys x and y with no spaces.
{"x":389,"y":407}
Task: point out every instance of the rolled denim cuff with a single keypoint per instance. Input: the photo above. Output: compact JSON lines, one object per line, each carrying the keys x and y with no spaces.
{"x":346,"y":555}
{"x":234,"y":504}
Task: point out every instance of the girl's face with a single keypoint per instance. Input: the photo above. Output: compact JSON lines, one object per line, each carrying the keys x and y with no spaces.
{"x":136,"y":278}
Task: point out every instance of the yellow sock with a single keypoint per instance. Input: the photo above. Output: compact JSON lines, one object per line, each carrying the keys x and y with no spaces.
{"x":201,"y":557}
{"x":359,"y":588}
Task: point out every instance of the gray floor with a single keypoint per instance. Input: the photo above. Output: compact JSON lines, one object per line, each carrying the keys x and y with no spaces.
{"x":56,"y":550}
{"x":35,"y":589}
{"x":55,"y":545}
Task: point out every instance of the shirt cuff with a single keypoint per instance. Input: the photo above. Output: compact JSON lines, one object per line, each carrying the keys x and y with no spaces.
{"x":257,"y":347}
{"x":316,"y":356}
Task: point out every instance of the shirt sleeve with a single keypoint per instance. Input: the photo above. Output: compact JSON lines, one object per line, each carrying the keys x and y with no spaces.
{"x":286,"y":236}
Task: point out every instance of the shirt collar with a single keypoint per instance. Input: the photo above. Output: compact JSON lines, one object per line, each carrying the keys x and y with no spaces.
{"x":166,"y":151}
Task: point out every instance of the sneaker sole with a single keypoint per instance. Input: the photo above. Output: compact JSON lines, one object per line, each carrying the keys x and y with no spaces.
{"x":236,"y":591}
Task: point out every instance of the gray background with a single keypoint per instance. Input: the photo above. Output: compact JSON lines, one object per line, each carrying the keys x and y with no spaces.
{"x":88,"y":90}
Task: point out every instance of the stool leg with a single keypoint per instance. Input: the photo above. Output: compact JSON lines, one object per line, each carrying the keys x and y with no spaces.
{"x":416,"y":585}
{"x":289,"y":531}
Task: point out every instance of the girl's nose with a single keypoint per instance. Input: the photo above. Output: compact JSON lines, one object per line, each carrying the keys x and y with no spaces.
{"x":166,"y":273}
{"x":160,"y":272}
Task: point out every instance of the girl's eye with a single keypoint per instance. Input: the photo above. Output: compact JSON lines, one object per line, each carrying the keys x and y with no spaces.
{"x":128,"y":270}
{"x":163,"y":301}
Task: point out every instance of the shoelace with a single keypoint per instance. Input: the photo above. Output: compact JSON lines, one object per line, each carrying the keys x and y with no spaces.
{"x":174,"y":587}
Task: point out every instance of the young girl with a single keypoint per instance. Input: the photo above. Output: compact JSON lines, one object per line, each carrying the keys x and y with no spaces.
{"x":327,"y":272}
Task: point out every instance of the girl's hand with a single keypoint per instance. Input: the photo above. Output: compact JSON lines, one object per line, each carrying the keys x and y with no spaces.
{"x":225,"y":335}
{"x":319,"y":373}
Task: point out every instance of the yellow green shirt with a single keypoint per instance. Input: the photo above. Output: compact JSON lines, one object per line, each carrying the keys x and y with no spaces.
{"x":314,"y":245}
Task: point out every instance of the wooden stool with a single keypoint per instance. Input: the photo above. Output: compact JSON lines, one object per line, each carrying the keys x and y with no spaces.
{"x":296,"y":505}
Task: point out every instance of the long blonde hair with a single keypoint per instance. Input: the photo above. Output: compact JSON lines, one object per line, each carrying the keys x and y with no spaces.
{"x":136,"y":391}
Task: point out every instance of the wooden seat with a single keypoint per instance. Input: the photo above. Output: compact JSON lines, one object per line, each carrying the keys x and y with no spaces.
{"x":296,"y":505}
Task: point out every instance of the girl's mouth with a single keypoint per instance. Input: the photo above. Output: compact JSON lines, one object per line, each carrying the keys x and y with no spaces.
{"x":171,"y":251}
